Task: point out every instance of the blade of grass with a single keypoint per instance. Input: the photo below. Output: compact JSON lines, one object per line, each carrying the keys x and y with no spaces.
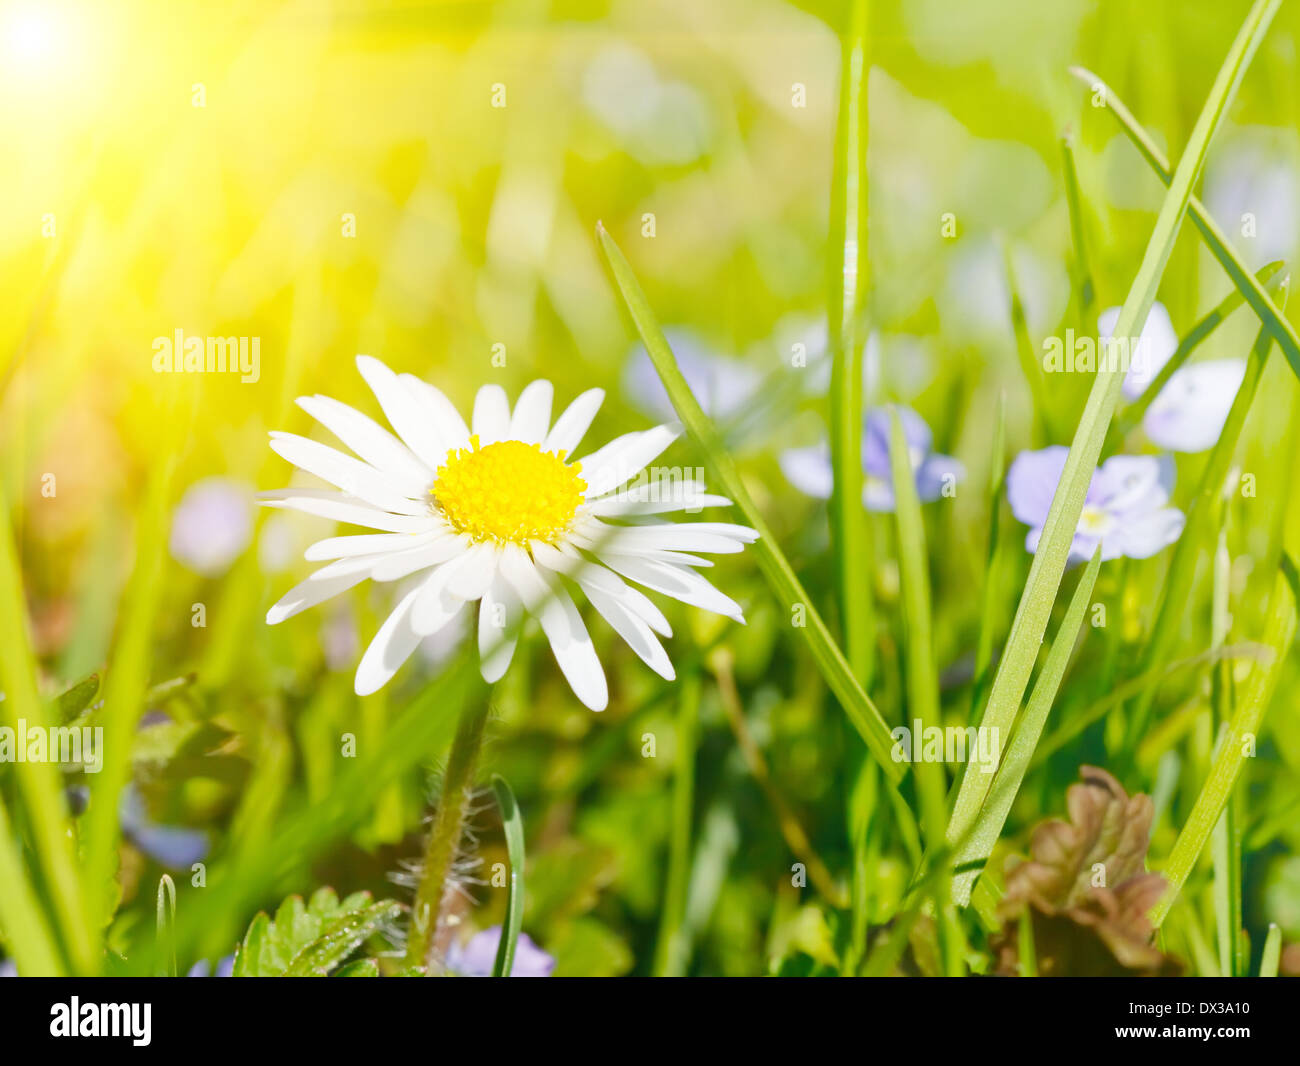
{"x":922,"y":684}
{"x":1244,"y":727}
{"x":672,"y":947}
{"x":1045,"y":572}
{"x":847,"y":275}
{"x":1085,"y":291}
{"x":39,"y":781}
{"x":27,"y":933}
{"x":1272,"y":958}
{"x":127,"y":676}
{"x":992,"y":569}
{"x":1177,"y":588}
{"x":922,"y":681}
{"x":1272,"y":281}
{"x":796,"y":839}
{"x":1227,"y":833}
{"x":1030,"y":366}
{"x":165,"y":928}
{"x":513,"y":823}
{"x":1028,"y":730}
{"x":1283,"y":332}
{"x":776,"y":568}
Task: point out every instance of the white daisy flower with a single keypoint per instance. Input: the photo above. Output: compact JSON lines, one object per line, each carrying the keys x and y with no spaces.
{"x":495,"y":512}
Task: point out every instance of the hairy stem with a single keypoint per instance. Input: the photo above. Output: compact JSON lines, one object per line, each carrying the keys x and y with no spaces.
{"x":430,"y":930}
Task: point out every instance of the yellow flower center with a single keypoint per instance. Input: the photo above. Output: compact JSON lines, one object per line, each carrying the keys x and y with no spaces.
{"x":508,"y":491}
{"x":1094,"y":520}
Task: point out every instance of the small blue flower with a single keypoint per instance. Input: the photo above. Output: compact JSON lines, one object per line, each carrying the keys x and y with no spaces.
{"x":477,"y":957}
{"x":1125,"y":510}
{"x":809,"y":469}
{"x":1189,"y":413}
{"x":203,"y":968}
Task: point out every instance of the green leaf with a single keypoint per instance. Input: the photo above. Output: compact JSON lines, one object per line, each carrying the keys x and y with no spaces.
{"x":1045,"y":572}
{"x":340,"y":936}
{"x":360,"y":968}
{"x":513,"y":823}
{"x":76,"y":699}
{"x":780,"y":576}
{"x":1248,"y":285}
{"x":309,"y":940}
{"x":1256,"y":694}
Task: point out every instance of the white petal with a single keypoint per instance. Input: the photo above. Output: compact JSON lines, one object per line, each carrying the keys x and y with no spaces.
{"x":343,"y":472}
{"x":681,"y":584}
{"x":656,"y":498}
{"x":475,"y":573}
{"x":572,"y":426}
{"x":625,"y":457}
{"x":447,"y":422}
{"x":491,"y":419}
{"x":719,"y":537}
{"x":1192,"y":408}
{"x":340,"y":507}
{"x":561,"y":623}
{"x":437,"y":605}
{"x":590,"y":574}
{"x":371,"y":441}
{"x":532,"y":413}
{"x":365,"y":544}
{"x":499,"y":616}
{"x":402,"y":564}
{"x":633,"y":630}
{"x":404,"y":412}
{"x":309,"y":593}
{"x":392,"y":646}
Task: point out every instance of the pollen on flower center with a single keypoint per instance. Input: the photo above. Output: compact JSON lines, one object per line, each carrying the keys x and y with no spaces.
{"x":1094,"y":520}
{"x":508,"y":491}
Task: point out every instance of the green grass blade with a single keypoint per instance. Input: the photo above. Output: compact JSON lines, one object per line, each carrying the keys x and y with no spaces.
{"x":922,"y":680}
{"x":27,"y":933}
{"x":1084,"y":289}
{"x":1269,"y":276}
{"x":992,"y":569}
{"x":672,"y":948}
{"x":1283,"y":332}
{"x":1197,"y":529}
{"x":1242,"y":730}
{"x":165,"y":928}
{"x":1029,"y":729}
{"x":922,"y":684}
{"x":1045,"y":573}
{"x":127,"y":677}
{"x":1272,"y":959}
{"x":39,"y":781}
{"x":780,"y":576}
{"x":1030,"y":366}
{"x":513,"y":823}
{"x":848,"y":279}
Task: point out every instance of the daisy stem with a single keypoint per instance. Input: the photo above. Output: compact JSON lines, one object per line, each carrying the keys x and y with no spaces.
{"x":430,"y":931}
